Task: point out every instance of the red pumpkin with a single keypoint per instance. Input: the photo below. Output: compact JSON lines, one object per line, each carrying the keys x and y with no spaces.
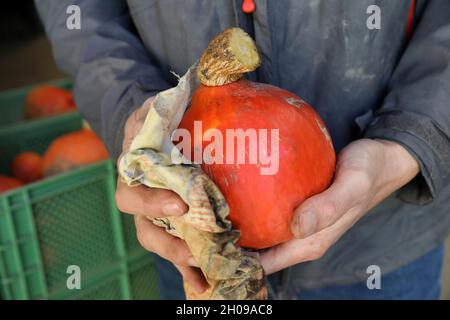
{"x":8,"y":183}
{"x":261,"y":206}
{"x":45,"y":101}
{"x":73,"y":150}
{"x":27,"y":167}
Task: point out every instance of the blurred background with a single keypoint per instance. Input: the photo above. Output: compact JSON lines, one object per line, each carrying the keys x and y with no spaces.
{"x":25,"y":54}
{"x":66,"y":215}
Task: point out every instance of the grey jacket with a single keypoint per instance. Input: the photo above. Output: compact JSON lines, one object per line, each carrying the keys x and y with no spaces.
{"x":363,"y":83}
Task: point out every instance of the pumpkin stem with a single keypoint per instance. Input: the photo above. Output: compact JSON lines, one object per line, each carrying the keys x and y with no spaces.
{"x":228,"y":56}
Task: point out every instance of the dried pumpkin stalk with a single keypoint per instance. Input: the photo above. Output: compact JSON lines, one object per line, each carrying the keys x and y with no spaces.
{"x":228,"y":56}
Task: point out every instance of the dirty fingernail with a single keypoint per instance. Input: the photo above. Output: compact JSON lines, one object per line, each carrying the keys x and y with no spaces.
{"x":307,"y":222}
{"x":172,"y":209}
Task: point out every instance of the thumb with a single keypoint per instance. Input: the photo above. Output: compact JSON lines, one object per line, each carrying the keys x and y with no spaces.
{"x":324,"y":209}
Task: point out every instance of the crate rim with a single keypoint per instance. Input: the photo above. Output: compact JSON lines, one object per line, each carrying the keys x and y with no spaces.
{"x":30,"y":123}
{"x":56,"y":82}
{"x":33,"y":185}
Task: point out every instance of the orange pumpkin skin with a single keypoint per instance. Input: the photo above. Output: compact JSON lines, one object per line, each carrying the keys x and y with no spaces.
{"x":27,"y":167}
{"x":73,"y":150}
{"x":8,"y":183}
{"x":45,"y":101}
{"x":261,"y":206}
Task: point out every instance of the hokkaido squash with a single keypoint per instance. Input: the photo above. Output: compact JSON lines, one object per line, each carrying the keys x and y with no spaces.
{"x":45,"y":101}
{"x":73,"y":150}
{"x":9,"y":183}
{"x":261,"y":203}
{"x":27,"y":167}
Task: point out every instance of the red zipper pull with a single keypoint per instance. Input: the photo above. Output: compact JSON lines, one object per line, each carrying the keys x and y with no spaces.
{"x":248,"y":6}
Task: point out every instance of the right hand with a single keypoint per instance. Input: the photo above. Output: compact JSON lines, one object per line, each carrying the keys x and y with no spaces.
{"x":144,"y":203}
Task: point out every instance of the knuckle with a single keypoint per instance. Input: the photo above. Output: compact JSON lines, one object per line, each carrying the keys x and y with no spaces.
{"x":365,"y":181}
{"x":177,"y":258}
{"x":329,"y":211}
{"x":361,"y":179}
{"x":119,"y":201}
{"x":319,"y":251}
{"x":315,"y":255}
{"x":144,"y":240}
{"x":149,"y":207}
{"x":176,"y":253}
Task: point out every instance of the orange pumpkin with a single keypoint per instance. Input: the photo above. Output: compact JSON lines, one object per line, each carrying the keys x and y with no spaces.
{"x":8,"y":183}
{"x":45,"y":101}
{"x":27,"y":167}
{"x":261,"y":205}
{"x":73,"y":150}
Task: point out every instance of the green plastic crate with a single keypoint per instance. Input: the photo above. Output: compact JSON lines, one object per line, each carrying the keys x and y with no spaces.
{"x":69,"y":219}
{"x":65,"y":220}
{"x":18,"y":134}
{"x":12,"y":102}
{"x":34,"y":136}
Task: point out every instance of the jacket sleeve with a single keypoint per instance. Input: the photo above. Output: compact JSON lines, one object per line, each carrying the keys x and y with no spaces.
{"x":114,"y":74}
{"x":416,"y":110}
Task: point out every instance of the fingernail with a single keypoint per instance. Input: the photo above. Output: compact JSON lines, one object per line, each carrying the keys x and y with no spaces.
{"x":307,"y":222}
{"x":201,"y":288}
{"x":172,"y":209}
{"x":191,"y":261}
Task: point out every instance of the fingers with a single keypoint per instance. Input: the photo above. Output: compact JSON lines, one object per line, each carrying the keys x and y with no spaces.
{"x":324,"y":209}
{"x":288,"y":254}
{"x":152,"y":202}
{"x":194,"y":277}
{"x":157,"y":240}
{"x":140,"y":199}
{"x":308,"y":249}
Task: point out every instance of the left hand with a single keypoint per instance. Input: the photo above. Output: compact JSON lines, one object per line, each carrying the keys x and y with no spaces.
{"x":367,"y":171}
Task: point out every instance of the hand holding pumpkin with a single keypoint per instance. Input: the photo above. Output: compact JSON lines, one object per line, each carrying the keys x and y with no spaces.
{"x":367,"y":172}
{"x":144,"y":202}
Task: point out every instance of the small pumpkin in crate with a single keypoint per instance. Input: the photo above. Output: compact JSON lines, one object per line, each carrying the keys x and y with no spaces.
{"x":27,"y":167}
{"x":9,"y":183}
{"x":73,"y":150}
{"x":261,"y":203}
{"x":44,"y":101}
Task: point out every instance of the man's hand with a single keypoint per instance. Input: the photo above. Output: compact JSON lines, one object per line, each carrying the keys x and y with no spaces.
{"x":143,"y":202}
{"x":367,"y":172}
